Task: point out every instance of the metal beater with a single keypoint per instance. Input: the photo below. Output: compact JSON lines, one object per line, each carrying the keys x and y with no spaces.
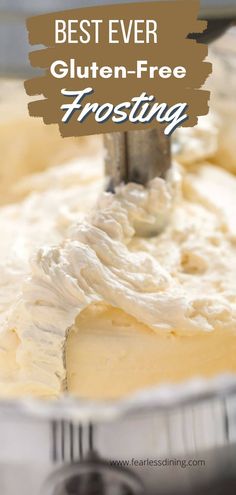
{"x":132,"y":156}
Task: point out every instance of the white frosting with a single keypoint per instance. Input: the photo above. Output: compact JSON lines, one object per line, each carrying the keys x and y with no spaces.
{"x":194,"y":144}
{"x":181,"y":280}
{"x":60,"y":196}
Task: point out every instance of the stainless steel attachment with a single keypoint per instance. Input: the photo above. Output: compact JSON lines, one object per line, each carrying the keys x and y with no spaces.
{"x":136,"y":156}
{"x":139,"y":156}
{"x":68,"y":447}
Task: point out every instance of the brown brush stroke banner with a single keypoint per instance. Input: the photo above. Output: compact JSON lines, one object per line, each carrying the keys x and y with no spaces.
{"x":175,"y":20}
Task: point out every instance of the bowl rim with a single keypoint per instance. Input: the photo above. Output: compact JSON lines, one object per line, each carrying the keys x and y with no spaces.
{"x":151,"y":400}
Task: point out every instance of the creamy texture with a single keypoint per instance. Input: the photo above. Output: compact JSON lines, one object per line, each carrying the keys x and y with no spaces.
{"x":28,"y":145}
{"x":194,"y":144}
{"x":58,"y":261}
{"x":110,"y":354}
{"x":89,"y":302}
{"x":60,"y":196}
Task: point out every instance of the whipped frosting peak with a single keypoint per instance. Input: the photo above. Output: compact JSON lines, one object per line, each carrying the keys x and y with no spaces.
{"x":181,"y":280}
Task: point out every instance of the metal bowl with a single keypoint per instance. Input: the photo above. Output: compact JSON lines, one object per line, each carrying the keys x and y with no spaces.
{"x":168,"y":440}
{"x":171,"y":440}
